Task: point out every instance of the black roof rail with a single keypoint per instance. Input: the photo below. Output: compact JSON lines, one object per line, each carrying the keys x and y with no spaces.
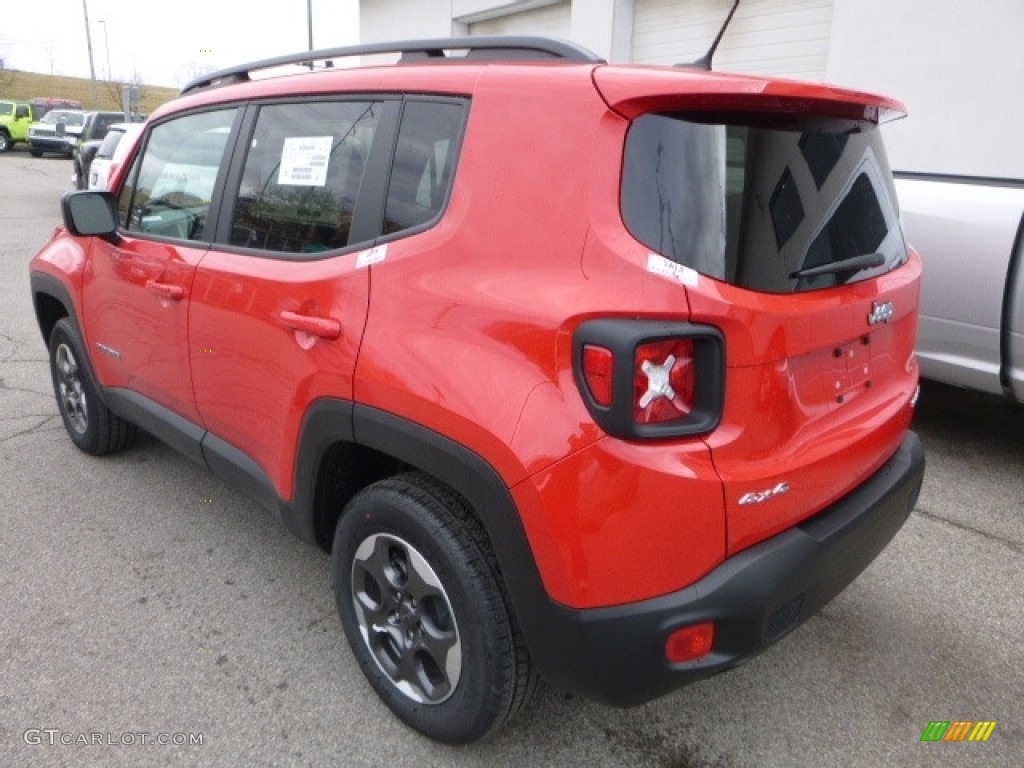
{"x":510,"y":48}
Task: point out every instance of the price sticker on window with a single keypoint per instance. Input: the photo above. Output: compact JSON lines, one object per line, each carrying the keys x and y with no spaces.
{"x":304,"y":161}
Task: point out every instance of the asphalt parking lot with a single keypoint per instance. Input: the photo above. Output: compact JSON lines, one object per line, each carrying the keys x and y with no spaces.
{"x":141,"y":601}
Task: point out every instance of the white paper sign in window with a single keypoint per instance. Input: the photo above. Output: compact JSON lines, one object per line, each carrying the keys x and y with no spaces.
{"x":304,"y":161}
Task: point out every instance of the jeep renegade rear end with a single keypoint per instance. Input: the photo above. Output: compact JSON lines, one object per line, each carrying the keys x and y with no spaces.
{"x":598,"y":372}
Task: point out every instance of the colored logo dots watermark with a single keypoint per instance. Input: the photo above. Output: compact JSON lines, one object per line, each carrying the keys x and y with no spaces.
{"x":958,"y":730}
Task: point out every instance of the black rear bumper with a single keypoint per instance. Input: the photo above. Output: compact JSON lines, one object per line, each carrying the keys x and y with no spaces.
{"x":617,"y":655}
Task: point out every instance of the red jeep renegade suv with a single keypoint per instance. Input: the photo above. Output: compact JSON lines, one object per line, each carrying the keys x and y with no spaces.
{"x":600,"y":374}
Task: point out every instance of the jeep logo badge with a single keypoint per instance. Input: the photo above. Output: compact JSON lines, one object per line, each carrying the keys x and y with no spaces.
{"x":880,"y":313}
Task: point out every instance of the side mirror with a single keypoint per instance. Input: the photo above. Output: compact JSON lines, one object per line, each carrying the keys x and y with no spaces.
{"x":62,"y":128}
{"x":90,"y":214}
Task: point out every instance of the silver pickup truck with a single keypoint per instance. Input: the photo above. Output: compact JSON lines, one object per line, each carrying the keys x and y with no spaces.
{"x":970,"y":233}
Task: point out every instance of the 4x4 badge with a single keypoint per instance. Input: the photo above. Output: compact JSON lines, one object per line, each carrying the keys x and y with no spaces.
{"x":757,"y":497}
{"x":881,"y":312}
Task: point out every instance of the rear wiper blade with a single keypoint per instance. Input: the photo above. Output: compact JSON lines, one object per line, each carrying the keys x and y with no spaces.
{"x":864,"y":261}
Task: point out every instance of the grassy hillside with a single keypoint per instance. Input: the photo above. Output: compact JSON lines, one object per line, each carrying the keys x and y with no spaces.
{"x":15,"y":84}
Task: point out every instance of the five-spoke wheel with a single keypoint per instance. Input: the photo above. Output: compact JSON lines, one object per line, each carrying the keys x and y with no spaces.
{"x":91,"y":425}
{"x":425,"y":612}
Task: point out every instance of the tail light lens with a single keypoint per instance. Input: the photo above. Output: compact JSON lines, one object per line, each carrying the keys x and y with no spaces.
{"x":663,"y":381}
{"x":598,"y":364}
{"x":643,"y":379}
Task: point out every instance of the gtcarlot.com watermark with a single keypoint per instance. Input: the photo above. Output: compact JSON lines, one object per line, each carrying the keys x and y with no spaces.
{"x":56,"y":737}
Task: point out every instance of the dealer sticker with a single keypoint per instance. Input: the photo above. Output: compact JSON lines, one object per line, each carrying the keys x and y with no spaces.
{"x":659,"y":265}
{"x":304,"y":161}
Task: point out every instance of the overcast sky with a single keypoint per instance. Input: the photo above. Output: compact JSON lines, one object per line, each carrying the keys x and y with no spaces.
{"x":164,"y":43}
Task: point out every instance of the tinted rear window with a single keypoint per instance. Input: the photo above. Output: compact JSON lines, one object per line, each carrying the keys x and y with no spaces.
{"x":756,"y":206}
{"x":113,"y":138}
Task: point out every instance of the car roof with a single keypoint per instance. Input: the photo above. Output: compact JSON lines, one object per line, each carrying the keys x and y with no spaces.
{"x":479,"y":48}
{"x":430,"y":66}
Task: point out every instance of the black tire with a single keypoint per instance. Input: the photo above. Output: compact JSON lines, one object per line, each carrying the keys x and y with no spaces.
{"x":5,"y":141}
{"x":36,"y":152}
{"x":415,"y":580}
{"x":89,"y":423}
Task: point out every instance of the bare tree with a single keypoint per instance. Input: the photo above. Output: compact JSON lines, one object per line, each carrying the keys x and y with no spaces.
{"x":6,"y":75}
{"x":112,"y":92}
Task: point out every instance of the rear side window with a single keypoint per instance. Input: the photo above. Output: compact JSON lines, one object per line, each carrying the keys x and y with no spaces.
{"x":110,"y":142}
{"x":424,"y":164}
{"x":169,"y":188}
{"x":103,"y":123}
{"x":302,"y":176}
{"x":767,"y":209}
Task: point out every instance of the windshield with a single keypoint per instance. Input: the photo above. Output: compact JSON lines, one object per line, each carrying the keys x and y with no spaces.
{"x":60,"y":116}
{"x":769,"y":209}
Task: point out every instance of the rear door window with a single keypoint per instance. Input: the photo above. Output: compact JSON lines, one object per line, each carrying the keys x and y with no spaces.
{"x":769,"y":209}
{"x":424,"y":163}
{"x":302,"y":176}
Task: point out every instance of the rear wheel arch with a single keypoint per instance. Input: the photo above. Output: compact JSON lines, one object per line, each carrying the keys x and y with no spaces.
{"x":344,"y":447}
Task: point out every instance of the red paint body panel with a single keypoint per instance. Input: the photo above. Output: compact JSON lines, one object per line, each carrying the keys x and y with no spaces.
{"x":64,"y":258}
{"x":789,"y":362}
{"x":635,"y":90}
{"x":481,"y":298}
{"x":147,"y":332}
{"x":595,"y":517}
{"x":254,"y":375}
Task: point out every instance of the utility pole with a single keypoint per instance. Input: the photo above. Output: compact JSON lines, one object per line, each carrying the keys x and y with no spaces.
{"x":106,"y":45}
{"x":92,"y":68}
{"x":309,"y":22}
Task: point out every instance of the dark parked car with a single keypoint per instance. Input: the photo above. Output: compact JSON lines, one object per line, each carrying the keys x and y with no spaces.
{"x":96,"y":126}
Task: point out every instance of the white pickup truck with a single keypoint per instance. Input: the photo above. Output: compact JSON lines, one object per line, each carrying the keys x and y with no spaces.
{"x":970,"y":233}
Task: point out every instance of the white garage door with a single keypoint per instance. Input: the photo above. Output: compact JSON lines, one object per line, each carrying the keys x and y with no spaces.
{"x":551,"y":21}
{"x":787,"y":38}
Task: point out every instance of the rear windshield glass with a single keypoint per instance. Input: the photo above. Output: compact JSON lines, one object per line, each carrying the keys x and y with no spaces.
{"x":767,"y":209}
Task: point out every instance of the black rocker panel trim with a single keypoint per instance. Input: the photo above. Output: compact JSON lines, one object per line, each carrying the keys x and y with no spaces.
{"x":237,"y":469}
{"x":164,"y":424}
{"x":233,"y":466}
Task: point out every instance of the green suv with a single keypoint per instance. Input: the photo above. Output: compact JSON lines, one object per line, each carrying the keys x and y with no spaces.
{"x":15,"y":118}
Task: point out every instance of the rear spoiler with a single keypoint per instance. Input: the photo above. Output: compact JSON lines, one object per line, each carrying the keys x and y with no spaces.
{"x":635,"y":91}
